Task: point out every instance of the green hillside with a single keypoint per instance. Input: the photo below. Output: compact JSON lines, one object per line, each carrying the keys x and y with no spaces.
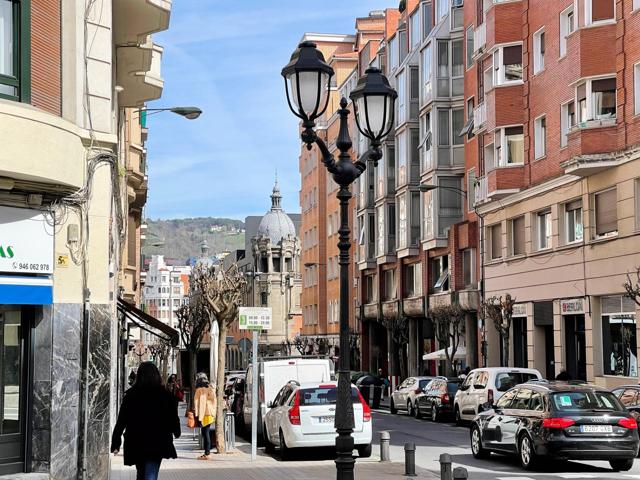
{"x":181,"y":238}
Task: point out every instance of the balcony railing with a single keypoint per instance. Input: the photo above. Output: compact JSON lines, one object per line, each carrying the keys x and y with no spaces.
{"x":481,"y":190}
{"x":479,"y":38}
{"x":479,"y":116}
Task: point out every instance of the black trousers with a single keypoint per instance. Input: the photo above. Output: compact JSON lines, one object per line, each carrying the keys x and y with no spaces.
{"x":206,"y":439}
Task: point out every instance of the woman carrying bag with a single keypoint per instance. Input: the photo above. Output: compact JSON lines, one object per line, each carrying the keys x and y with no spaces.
{"x":149,"y":420}
{"x":205,"y":405}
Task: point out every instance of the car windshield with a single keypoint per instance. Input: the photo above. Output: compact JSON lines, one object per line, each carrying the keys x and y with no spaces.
{"x":323,"y":396}
{"x":424,"y":383}
{"x":452,"y":387}
{"x":507,"y":380}
{"x":586,"y":401}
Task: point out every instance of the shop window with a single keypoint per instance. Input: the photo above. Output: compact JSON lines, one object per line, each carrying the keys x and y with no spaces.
{"x":517,"y":243}
{"x":509,"y":146}
{"x":619,"y":336}
{"x":544,"y":230}
{"x":573,"y":221}
{"x":495,"y":241}
{"x":538,"y":51}
{"x":540,"y":128}
{"x":606,"y":215}
{"x":507,"y":65}
{"x":567,"y":27}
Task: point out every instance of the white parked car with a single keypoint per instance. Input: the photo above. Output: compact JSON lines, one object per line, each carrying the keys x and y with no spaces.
{"x":302,"y":415}
{"x":484,"y":386}
{"x":404,"y":397}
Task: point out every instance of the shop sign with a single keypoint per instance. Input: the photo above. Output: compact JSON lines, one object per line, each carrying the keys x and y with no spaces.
{"x":574,"y":305}
{"x":520,"y":310}
{"x":26,"y":241}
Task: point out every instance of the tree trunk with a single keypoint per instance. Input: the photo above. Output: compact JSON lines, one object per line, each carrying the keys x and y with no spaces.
{"x":220,"y":411}
{"x":192,"y":376}
{"x":505,"y":349}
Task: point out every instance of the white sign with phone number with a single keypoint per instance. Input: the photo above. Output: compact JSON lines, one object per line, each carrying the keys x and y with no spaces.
{"x":26,"y":241}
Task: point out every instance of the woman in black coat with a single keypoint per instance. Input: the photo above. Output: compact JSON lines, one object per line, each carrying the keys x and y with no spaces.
{"x":149,"y":419}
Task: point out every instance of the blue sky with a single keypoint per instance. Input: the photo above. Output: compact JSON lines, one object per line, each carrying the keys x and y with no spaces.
{"x":225,"y":57}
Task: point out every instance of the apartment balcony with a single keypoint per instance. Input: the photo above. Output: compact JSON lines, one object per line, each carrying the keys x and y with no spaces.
{"x":371,"y":311}
{"x":134,"y":20}
{"x":479,"y":117}
{"x":441,"y":299}
{"x":499,"y":24}
{"x":138,"y":73}
{"x":504,"y":106}
{"x":591,"y":148}
{"x":595,"y":48}
{"x":390,"y":309}
{"x":499,"y":183}
{"x":413,"y":307}
{"x":469,"y":300}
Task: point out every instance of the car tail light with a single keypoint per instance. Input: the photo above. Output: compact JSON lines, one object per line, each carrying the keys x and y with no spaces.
{"x":629,"y":423}
{"x":294,"y":411}
{"x":557,"y":423}
{"x":490,"y":397}
{"x":444,"y":398}
{"x":366,"y":410}
{"x":327,"y":385}
{"x":417,"y":391}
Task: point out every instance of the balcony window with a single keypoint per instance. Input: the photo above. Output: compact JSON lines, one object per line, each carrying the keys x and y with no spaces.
{"x":389,"y":285}
{"x":495,"y":241}
{"x":567,"y":27}
{"x":371,"y":241}
{"x":401,"y":143}
{"x":596,"y":100}
{"x":468,"y":267}
{"x":444,"y":129}
{"x":457,"y":14}
{"x":391,"y":228}
{"x":414,"y":33}
{"x":14,"y":60}
{"x":573,"y":221}
{"x":567,"y":120}
{"x":471,"y":189}
{"x":509,"y":146}
{"x":414,"y":136}
{"x":457,"y":121}
{"x":402,"y":222}
{"x":507,"y":65}
{"x":457,"y":68}
{"x":517,"y":234}
{"x":540,"y":127}
{"x":440,"y":273}
{"x":427,"y":19}
{"x":393,"y":53}
{"x":426,"y":143}
{"x":381,"y":231}
{"x":428,"y":215}
{"x":391,"y":170}
{"x":380,"y":177}
{"x":449,"y":203}
{"x":403,"y":44}
{"x":426,"y":74}
{"x":443,"y":68}
{"x":599,"y":11}
{"x":543,"y":229}
{"x":606,"y":215}
{"x":402,"y":97}
{"x":470,"y":48}
{"x":414,"y":93}
{"x":538,"y":51}
{"x":369,"y":289}
{"x":415,"y":218}
{"x":442,"y":9}
{"x":413,"y":280}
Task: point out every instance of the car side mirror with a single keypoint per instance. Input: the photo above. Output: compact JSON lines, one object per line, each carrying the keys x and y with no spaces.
{"x":463,"y":387}
{"x":269,"y":404}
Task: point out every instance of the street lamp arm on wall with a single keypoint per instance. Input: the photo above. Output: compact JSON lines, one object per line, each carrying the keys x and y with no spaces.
{"x":427,"y":187}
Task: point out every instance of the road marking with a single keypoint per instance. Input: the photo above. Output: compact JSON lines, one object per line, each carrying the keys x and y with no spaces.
{"x":514,"y":478}
{"x":632,"y":476}
{"x":574,"y":475}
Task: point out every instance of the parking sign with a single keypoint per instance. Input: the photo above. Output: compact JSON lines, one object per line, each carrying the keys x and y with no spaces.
{"x":255,"y":318}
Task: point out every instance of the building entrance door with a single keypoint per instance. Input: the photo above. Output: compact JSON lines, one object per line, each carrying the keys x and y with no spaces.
{"x":13,"y":380}
{"x":575,"y":346}
{"x":520,"y":357}
{"x":549,"y":353}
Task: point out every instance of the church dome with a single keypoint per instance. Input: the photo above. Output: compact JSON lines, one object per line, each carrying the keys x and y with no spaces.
{"x":276,"y":224}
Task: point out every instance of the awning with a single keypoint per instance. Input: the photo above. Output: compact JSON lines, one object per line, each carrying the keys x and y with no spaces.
{"x":24,"y":290}
{"x":148,"y":323}
{"x":461,"y":352}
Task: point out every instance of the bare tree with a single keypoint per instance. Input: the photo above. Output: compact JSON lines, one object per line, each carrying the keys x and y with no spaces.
{"x":448,"y":323}
{"x":399,"y":328}
{"x":632,"y":287}
{"x":161,"y":351}
{"x":220,"y":293}
{"x":500,"y":312}
{"x":193,"y":326}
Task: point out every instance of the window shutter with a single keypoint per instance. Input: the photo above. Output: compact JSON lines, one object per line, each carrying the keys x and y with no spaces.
{"x":518,"y":236}
{"x":131,"y":242}
{"x":512,"y":55}
{"x":496,"y":241}
{"x":604,"y":85}
{"x":573,"y":205}
{"x":582,"y":92}
{"x":606,"y":215}
{"x":602,"y":9}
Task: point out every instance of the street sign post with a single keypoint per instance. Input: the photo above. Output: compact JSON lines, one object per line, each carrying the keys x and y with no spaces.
{"x":255,"y":319}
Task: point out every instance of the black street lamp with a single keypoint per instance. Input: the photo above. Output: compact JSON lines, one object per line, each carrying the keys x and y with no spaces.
{"x":307,"y":81}
{"x":190,"y":113}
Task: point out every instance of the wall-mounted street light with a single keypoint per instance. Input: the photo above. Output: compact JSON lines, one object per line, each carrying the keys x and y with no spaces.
{"x":307,"y":83}
{"x":190,"y":113}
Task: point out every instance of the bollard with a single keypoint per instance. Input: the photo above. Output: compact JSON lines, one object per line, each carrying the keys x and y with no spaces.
{"x":460,"y":473}
{"x":229,"y":431}
{"x":445,"y":467}
{"x":385,"y":438}
{"x":410,"y":459}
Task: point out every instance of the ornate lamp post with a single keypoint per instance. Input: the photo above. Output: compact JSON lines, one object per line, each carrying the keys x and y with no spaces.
{"x":307,"y":81}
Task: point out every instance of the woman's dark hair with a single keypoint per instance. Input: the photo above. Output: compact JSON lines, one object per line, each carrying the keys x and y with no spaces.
{"x":148,"y":375}
{"x":202,"y":380}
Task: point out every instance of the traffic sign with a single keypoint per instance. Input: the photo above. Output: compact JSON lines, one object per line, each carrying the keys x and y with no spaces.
{"x":255,"y":318}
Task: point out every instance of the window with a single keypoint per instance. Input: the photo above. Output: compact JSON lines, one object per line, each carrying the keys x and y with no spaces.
{"x":507,"y":65}
{"x":413,"y":280}
{"x":606,"y":213}
{"x":573,"y":221}
{"x":540,"y":127}
{"x":415,"y":218}
{"x":636,"y":87}
{"x":517,"y":246}
{"x":369,"y":289}
{"x":401,"y":144}
{"x":538,"y":51}
{"x":495,"y":241}
{"x":14,"y":60}
{"x":414,"y":92}
{"x":468,"y":267}
{"x":393,"y":53}
{"x":403,"y":43}
{"x":442,"y":9}
{"x":521,"y":402}
{"x":443,"y":69}
{"x":389,"y":285}
{"x":402,"y":221}
{"x":426,"y":73}
{"x":471,"y":189}
{"x":637,"y":197}
{"x":457,"y":67}
{"x":264,"y":299}
{"x":457,"y":14}
{"x":568,"y":121}
{"x":636,"y":4}
{"x":440,"y":266}
{"x":599,"y":10}
{"x":402,"y":97}
{"x":596,"y":99}
{"x":470,"y":46}
{"x":509,"y":146}
{"x":427,"y":19}
{"x":544,"y":231}
{"x":427,"y":157}
{"x":457,"y":120}
{"x":414,"y":33}
{"x":450,"y":203}
{"x":567,"y":27}
{"x":443,"y":128}
{"x":619,"y":337}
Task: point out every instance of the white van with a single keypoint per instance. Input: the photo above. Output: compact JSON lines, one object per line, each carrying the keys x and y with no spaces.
{"x":484,"y":386}
{"x":274,"y":373}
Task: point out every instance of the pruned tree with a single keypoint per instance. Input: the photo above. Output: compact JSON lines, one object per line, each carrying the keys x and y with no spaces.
{"x":448,"y":325}
{"x":632,"y":287}
{"x":161,"y":351}
{"x":500,"y":312}
{"x":399,"y":328}
{"x":192,"y":325}
{"x":219,"y":292}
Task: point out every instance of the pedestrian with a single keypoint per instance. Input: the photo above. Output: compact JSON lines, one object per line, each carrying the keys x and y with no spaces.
{"x":174,"y":388}
{"x":132,"y":378}
{"x":205,"y":405}
{"x":563,"y":376}
{"x":149,"y":419}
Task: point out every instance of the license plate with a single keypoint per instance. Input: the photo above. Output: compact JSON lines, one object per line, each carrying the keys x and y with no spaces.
{"x":596,"y":429}
{"x":325,"y":419}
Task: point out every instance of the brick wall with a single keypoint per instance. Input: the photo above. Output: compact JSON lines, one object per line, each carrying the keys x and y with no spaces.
{"x":46,"y":83}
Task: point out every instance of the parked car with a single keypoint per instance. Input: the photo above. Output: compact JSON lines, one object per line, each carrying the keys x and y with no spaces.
{"x":560,"y":420}
{"x":484,"y":386}
{"x":436,"y":401}
{"x":274,"y":372}
{"x":371,"y":387}
{"x":404,"y":397}
{"x":302,"y":415}
{"x":629,"y":396}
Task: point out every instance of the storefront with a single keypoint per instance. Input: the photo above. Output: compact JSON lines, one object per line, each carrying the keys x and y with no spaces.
{"x":520,"y":341}
{"x":573,"y":323}
{"x":619,"y":336}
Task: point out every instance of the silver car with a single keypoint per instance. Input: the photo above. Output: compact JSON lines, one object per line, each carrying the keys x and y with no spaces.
{"x":404,"y":397}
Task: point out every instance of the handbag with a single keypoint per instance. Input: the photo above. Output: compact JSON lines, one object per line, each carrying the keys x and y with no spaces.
{"x":180,"y":395}
{"x":191,"y":419}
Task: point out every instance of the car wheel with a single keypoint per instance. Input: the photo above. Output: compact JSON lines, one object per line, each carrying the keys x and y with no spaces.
{"x":526,"y":452}
{"x":285,"y":452}
{"x":435,"y":415}
{"x":418,"y":412}
{"x":410,"y":411}
{"x":392,"y":407}
{"x":364,"y":451}
{"x":458,"y":417}
{"x":621,"y":465}
{"x":477,"y":449}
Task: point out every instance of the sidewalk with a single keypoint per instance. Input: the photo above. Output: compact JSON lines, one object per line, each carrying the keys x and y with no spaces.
{"x":238,"y":465}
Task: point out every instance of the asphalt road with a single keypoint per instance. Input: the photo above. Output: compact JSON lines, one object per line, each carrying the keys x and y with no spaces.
{"x":432,"y":439}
